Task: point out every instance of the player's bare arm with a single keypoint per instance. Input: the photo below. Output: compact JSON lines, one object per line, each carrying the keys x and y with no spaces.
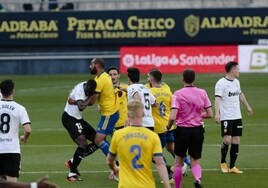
{"x":83,"y":104}
{"x":27,"y":131}
{"x":40,"y":184}
{"x":208,"y":113}
{"x":245,"y":103}
{"x":172,"y":117}
{"x":217,"y":109}
{"x":162,"y":170}
{"x":136,"y":96}
{"x":111,"y":163}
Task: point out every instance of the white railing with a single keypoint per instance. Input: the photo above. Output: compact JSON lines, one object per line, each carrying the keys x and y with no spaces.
{"x":57,"y":55}
{"x":17,"y":5}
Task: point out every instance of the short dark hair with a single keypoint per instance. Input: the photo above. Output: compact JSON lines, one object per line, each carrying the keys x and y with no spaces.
{"x":113,"y":68}
{"x":100,"y":62}
{"x":7,"y":87}
{"x":133,"y":74}
{"x":156,"y":74}
{"x":90,"y":87}
{"x":230,"y":65}
{"x":189,"y":76}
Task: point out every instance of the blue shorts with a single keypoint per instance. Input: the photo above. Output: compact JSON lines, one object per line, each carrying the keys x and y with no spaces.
{"x":170,"y":136}
{"x":107,"y":123}
{"x":163,"y":139}
{"x":166,"y":138}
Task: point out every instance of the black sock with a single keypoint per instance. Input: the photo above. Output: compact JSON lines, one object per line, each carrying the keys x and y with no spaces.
{"x":78,"y":155}
{"x":233,"y":154}
{"x":224,"y":150}
{"x":168,"y":169}
{"x":91,"y":148}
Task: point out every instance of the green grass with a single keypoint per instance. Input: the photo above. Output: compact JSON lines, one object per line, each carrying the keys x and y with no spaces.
{"x":50,"y":145}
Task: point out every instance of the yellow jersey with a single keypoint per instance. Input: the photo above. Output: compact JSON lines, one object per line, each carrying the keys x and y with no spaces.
{"x":121,"y":96}
{"x":107,"y":101}
{"x":135,"y":147}
{"x":161,"y":112}
{"x":163,"y":84}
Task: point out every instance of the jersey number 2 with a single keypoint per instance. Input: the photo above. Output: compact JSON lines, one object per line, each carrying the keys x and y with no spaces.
{"x":4,"y":123}
{"x":136,"y":149}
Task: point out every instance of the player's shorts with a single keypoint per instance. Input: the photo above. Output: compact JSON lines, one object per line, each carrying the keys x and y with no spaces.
{"x":163,"y":139}
{"x":107,"y":123}
{"x":170,"y":136}
{"x":231,"y":127}
{"x":77,"y":127}
{"x":10,"y":164}
{"x":189,"y":139}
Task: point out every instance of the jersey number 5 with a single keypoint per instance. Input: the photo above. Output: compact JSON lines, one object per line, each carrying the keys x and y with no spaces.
{"x":147,"y":101}
{"x":136,"y":149}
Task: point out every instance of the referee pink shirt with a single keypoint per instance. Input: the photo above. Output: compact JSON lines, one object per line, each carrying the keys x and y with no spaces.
{"x":190,"y":102}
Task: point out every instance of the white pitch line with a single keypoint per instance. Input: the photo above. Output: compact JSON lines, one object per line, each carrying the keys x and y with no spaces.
{"x":207,"y":125}
{"x":205,"y":145}
{"x":108,"y":171}
{"x":246,"y":145}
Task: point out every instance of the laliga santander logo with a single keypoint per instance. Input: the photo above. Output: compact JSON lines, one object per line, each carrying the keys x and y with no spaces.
{"x":130,"y":60}
{"x":182,"y":59}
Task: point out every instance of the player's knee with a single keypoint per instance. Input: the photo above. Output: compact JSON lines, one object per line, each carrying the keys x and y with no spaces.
{"x":227,"y":140}
{"x":236,"y":140}
{"x":99,"y":138}
{"x":81,"y":142}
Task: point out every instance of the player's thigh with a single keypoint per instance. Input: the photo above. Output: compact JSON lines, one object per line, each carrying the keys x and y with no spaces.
{"x":73,"y":126}
{"x":196,"y":142}
{"x":227,"y":128}
{"x":181,"y":141}
{"x":237,"y":127}
{"x":88,"y":130}
{"x":107,"y":123}
{"x":11,"y":164}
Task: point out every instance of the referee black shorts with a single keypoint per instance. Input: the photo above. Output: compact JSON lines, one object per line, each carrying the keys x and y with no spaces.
{"x":189,"y":139}
{"x":77,"y":127}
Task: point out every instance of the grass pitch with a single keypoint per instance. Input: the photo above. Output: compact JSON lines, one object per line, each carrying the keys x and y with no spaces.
{"x":50,"y":145}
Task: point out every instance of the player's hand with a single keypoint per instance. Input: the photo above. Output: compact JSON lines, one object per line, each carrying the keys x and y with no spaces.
{"x":217,"y":119}
{"x":22,"y":138}
{"x":250,"y":111}
{"x":71,"y":101}
{"x":42,"y":183}
{"x":116,"y":172}
{"x":165,"y":130}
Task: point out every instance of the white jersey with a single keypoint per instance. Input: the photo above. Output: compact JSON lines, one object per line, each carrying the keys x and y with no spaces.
{"x":1,"y":96}
{"x":12,"y":116}
{"x":147,"y":100}
{"x":77,"y":93}
{"x":229,"y":91}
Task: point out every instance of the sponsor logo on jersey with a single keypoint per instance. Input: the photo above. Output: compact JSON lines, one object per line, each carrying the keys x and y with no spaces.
{"x":232,"y":94}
